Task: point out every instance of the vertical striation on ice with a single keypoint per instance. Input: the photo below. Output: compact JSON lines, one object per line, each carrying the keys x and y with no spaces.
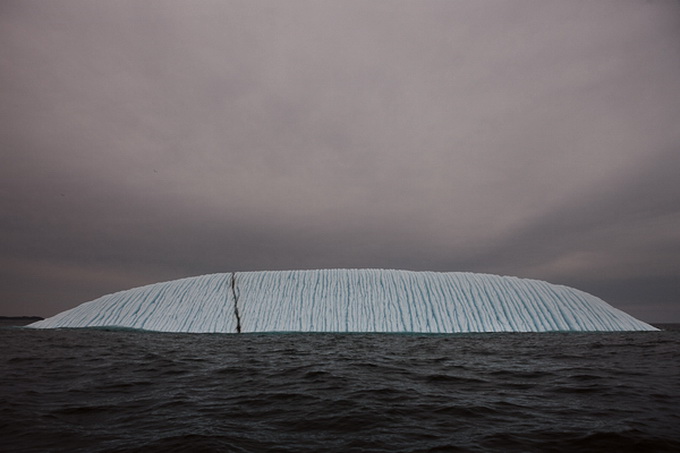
{"x":370,"y":300}
{"x":350,"y":300}
{"x":197,"y":304}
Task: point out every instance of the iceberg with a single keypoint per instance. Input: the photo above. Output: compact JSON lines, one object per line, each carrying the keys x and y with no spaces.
{"x":349,"y":300}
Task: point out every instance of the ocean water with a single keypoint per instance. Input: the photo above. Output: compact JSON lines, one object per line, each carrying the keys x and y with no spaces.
{"x":93,"y":390}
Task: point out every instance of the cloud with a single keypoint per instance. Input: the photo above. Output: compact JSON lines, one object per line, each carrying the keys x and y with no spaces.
{"x":534,"y":138}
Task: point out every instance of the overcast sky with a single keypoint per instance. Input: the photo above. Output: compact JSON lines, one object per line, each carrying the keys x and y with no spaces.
{"x":148,"y":141}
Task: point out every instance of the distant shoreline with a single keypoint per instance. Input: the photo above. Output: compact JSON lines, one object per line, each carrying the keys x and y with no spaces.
{"x":10,"y":321}
{"x":21,"y":318}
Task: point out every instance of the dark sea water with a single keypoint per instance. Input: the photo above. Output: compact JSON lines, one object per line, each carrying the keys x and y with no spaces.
{"x":130,"y":391}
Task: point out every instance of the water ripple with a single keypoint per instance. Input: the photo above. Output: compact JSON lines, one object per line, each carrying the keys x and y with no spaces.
{"x":127,"y":391}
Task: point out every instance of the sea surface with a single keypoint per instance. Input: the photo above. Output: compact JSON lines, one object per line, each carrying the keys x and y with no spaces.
{"x":98,"y":390}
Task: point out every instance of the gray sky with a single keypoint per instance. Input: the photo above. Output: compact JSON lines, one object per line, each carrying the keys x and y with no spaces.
{"x":147,"y":141}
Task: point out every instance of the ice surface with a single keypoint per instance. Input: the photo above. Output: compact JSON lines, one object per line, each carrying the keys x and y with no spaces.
{"x":197,"y":304}
{"x":345,"y":300}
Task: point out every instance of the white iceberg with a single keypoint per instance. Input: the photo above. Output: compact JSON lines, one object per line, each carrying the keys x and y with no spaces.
{"x":349,"y":300}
